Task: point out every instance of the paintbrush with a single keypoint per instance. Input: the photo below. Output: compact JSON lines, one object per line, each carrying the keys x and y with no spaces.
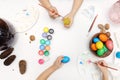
{"x":92,"y":24}
{"x":106,"y":66}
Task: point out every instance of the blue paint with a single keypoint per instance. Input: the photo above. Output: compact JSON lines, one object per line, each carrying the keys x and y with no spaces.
{"x":27,"y":14}
{"x":81,"y":62}
{"x":48,"y":42}
{"x":66,"y":59}
{"x":42,"y":47}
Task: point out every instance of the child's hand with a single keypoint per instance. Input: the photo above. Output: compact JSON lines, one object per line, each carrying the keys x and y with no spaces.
{"x":69,"y":21}
{"x":53,"y":12}
{"x":57,"y":64}
{"x":101,"y":65}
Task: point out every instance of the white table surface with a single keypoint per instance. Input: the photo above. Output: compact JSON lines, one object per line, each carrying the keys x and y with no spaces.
{"x":70,"y":42}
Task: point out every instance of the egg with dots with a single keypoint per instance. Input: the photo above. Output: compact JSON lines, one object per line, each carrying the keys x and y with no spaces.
{"x":101,"y":45}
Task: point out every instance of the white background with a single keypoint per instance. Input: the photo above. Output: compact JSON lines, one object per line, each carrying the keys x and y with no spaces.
{"x":70,"y":42}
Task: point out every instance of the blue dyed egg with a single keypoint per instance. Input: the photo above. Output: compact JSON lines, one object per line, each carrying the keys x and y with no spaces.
{"x":95,"y":40}
{"x":66,"y":59}
{"x":118,"y":54}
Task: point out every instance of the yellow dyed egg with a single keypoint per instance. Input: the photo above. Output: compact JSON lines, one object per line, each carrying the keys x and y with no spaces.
{"x":103,"y":37}
{"x":66,"y":21}
{"x":93,"y":47}
{"x":99,"y":45}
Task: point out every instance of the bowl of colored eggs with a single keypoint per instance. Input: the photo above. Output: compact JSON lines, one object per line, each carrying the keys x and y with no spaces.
{"x":101,"y":44}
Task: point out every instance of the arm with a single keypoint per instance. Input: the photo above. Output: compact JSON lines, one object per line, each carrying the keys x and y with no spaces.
{"x":57,"y":64}
{"x":75,"y":7}
{"x":103,"y":69}
{"x":51,"y":9}
{"x":45,"y":3}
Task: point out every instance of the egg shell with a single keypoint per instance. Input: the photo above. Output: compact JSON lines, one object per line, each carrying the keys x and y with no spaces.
{"x":99,"y":45}
{"x":100,"y":52}
{"x":93,"y":47}
{"x":66,"y":59}
{"x":103,"y":37}
{"x":95,"y":39}
{"x":109,"y":44}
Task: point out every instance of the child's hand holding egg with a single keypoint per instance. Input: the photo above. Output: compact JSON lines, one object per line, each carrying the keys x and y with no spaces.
{"x":67,"y":20}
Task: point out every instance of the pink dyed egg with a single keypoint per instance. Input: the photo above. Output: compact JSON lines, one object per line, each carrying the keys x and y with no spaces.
{"x":109,"y":44}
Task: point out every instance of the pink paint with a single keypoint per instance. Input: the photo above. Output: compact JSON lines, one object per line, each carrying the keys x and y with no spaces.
{"x":89,"y":61}
{"x":41,"y":52}
{"x":41,"y":61}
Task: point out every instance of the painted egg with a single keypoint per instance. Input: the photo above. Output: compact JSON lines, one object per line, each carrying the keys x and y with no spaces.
{"x":66,"y":21}
{"x":66,"y":59}
{"x":93,"y":47}
{"x":99,"y":45}
{"x":103,"y":37}
{"x":118,"y":54}
{"x":100,"y":52}
{"x":105,"y":48}
{"x":109,"y":44}
{"x":95,"y":40}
